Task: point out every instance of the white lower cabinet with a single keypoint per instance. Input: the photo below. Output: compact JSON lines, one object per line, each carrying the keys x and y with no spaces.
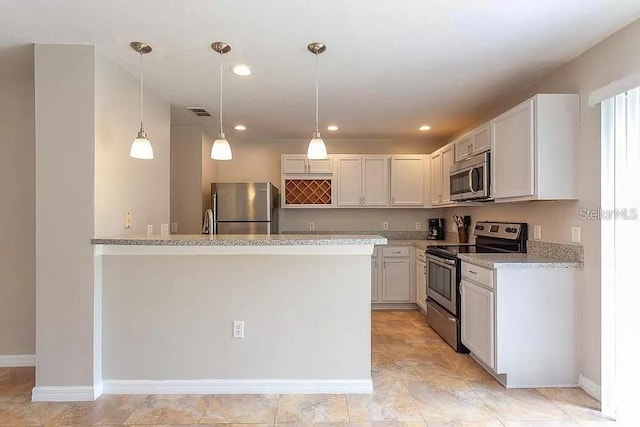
{"x":478,"y":321}
{"x":421,"y":283}
{"x":374,"y":277}
{"x":392,"y":275}
{"x":523,"y":324}
{"x":396,"y":280}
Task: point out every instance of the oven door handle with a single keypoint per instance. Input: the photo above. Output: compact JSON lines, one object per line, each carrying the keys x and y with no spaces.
{"x":442,"y":261}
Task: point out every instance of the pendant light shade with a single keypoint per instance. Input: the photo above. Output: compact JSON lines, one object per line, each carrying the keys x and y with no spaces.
{"x":317,"y":149}
{"x":141,"y":147}
{"x":221,"y":150}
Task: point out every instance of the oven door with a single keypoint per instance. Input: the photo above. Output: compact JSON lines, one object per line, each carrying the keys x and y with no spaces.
{"x":441,"y":282}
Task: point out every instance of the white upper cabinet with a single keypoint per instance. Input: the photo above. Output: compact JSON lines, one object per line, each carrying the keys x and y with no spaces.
{"x":534,"y":150}
{"x":436,"y":177}
{"x":475,"y":142}
{"x":407,"y":180}
{"x":441,"y":162}
{"x":375,"y":180}
{"x":297,"y":164}
{"x":349,"y":170}
{"x":363,"y":180}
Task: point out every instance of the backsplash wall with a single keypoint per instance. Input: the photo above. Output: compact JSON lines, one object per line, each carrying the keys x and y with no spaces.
{"x":355,"y":219}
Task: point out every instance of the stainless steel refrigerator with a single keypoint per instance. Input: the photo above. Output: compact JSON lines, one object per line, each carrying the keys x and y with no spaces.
{"x":245,"y":208}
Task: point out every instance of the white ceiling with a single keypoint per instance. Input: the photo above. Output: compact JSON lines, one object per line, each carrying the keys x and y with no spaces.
{"x":389,"y":66}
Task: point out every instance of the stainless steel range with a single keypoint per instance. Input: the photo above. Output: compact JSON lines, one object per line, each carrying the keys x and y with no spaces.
{"x":443,"y":274}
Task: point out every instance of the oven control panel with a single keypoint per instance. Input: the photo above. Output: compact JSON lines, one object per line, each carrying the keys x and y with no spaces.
{"x":503,"y":230}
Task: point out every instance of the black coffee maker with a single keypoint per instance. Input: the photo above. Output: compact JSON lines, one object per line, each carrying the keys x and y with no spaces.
{"x":436,"y":229}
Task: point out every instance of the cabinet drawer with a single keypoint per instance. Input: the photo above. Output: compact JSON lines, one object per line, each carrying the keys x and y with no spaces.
{"x":479,"y":275}
{"x":395,"y":251}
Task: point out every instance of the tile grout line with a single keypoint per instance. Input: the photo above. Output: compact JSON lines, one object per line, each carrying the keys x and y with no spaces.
{"x":211,"y":397}
{"x":484,"y":402}
{"x":346,"y":402}
{"x":554,"y":404}
{"x":275,"y":414}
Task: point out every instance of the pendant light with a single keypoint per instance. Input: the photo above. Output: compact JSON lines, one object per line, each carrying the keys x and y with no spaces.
{"x":221,"y":149}
{"x":141,"y":147}
{"x":317,"y":149}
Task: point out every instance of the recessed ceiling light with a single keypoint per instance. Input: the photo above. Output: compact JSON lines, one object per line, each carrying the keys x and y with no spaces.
{"x":332,"y":128}
{"x":241,"y":70}
{"x":424,"y":127}
{"x":240,"y":127}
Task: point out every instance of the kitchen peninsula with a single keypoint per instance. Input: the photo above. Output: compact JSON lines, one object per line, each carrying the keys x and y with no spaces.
{"x":170,"y":302}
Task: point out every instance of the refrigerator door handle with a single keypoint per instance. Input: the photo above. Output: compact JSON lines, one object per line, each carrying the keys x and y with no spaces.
{"x":214,"y":207}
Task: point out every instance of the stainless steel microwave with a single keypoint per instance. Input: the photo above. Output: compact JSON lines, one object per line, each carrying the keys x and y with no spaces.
{"x":470,"y":178}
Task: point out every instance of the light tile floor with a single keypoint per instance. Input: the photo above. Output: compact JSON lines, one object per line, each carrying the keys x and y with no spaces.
{"x":418,"y":381}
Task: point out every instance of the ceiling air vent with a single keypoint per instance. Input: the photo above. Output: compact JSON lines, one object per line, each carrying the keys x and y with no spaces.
{"x":200,"y":112}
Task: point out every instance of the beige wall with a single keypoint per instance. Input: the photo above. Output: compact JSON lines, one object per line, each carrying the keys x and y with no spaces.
{"x":123,"y":184}
{"x":17,"y":216}
{"x":159,"y":326}
{"x":65,"y":153}
{"x":260,"y":161}
{"x":209,"y":170}
{"x":612,"y":59}
{"x":87,"y":114}
{"x":192,"y":172}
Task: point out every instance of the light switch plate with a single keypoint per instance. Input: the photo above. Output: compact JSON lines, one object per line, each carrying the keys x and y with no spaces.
{"x":312,"y":226}
{"x":174,"y":227}
{"x":164,"y":229}
{"x":149,"y":230}
{"x":385,"y":225}
{"x":418,"y":225}
{"x":128,"y":217}
{"x":576,"y":234}
{"x":537,"y":232}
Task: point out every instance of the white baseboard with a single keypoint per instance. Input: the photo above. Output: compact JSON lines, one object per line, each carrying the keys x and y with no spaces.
{"x":590,"y":387}
{"x":17,"y":360}
{"x":237,"y":387}
{"x":66,"y":393}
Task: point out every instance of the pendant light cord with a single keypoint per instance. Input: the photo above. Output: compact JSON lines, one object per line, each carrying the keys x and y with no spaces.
{"x":221,"y":93}
{"x":141,"y":94}
{"x":317,"y":93}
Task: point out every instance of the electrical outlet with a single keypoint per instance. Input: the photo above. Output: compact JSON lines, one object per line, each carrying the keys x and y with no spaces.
{"x":537,"y":232}
{"x":238,"y":328}
{"x":575,"y":234}
{"x":164,"y":229}
{"x":418,"y":225}
{"x":149,"y":229}
{"x":312,"y":226}
{"x":127,"y":219}
{"x":385,"y":225}
{"x":174,"y":227}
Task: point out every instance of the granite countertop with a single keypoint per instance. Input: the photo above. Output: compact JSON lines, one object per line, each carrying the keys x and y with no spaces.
{"x":243,"y":240}
{"x":516,"y":261}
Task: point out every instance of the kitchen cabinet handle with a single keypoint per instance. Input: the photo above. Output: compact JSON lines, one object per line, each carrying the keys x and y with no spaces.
{"x":425,"y":270}
{"x":392,"y":200}
{"x":473,"y":272}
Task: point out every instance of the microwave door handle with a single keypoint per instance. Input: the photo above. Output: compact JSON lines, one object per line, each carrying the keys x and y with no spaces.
{"x":471,"y":180}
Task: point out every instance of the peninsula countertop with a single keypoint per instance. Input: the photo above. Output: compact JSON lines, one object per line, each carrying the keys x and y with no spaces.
{"x":495,"y":260}
{"x":242,"y":240}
